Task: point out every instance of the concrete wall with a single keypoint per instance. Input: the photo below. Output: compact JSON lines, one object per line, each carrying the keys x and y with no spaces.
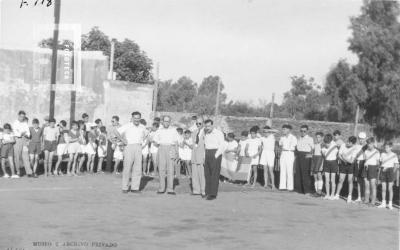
{"x":238,"y":124}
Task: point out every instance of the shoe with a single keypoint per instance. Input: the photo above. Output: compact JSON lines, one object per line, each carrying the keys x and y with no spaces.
{"x":390,"y":206}
{"x":14,"y":176}
{"x":160,"y":192}
{"x":203,"y":196}
{"x":335,"y":198}
{"x":136,"y":191}
{"x":326,"y":197}
{"x":349,"y":199}
{"x":6,"y":176}
{"x":171,"y":193}
{"x":210,"y":197}
{"x":382,"y":205}
{"x":194,"y":194}
{"x":125,"y":191}
{"x":358,"y":199}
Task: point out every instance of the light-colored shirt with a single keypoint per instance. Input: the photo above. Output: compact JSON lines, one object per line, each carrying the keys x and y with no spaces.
{"x":215,"y":140}
{"x":288,"y":143}
{"x":186,"y":153}
{"x":389,"y":160}
{"x":153,"y":147}
{"x":193,"y":128}
{"x":268,"y":143}
{"x":112,"y":132}
{"x":332,"y":150}
{"x":51,"y":134}
{"x":305,"y":144}
{"x":133,"y":134}
{"x":166,"y":136}
{"x":6,"y":138}
{"x":20,"y":127}
{"x":317,"y":149}
{"x":231,"y":145}
{"x":253,"y":145}
{"x":372,"y":157}
{"x":348,"y":153}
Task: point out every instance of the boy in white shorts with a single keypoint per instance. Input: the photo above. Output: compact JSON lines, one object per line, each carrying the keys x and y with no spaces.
{"x":253,"y":150}
{"x":267,"y":158}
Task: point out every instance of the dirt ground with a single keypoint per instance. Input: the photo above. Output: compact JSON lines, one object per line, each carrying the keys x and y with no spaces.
{"x":90,"y":212}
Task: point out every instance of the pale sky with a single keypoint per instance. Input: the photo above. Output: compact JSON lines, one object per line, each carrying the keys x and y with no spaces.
{"x":254,"y":45}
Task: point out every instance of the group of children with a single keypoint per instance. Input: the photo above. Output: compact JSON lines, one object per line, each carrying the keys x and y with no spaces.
{"x":81,"y":143}
{"x":358,"y":159}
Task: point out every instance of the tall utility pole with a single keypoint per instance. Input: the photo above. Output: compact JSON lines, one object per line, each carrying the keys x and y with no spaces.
{"x":217,"y":102}
{"x":57,"y":7}
{"x":155,"y":93}
{"x":73,"y":92}
{"x":111,"y":76}
{"x":271,"y":111}
{"x":356,"y":120}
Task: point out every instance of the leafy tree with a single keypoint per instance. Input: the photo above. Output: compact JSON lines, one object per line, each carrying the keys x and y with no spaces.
{"x":130,"y":63}
{"x":376,"y":42}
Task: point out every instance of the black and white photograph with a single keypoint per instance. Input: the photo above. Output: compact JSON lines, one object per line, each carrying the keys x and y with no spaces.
{"x":199,"y":124}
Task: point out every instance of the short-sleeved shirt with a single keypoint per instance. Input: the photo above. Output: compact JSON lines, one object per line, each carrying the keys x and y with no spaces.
{"x":388,"y":160}
{"x":133,"y":134}
{"x":348,"y":153}
{"x":372,"y":157}
{"x":288,"y":143}
{"x":231,"y":145}
{"x":167,"y":136}
{"x":305,"y":144}
{"x":331,"y":152}
{"x":186,"y":150}
{"x":253,"y":145}
{"x":7,"y":138}
{"x":20,"y":127}
{"x":50,"y":134}
{"x":268,"y":143}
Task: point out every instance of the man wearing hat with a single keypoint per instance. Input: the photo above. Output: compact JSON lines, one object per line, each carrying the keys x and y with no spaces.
{"x":267,"y":158}
{"x":288,"y":143}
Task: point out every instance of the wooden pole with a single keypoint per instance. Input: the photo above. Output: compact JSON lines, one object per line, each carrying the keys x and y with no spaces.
{"x":112,"y":61}
{"x":57,"y":7}
{"x":271,"y":112}
{"x":73,"y":93}
{"x":217,"y":101}
{"x":155,"y":93}
{"x":356,"y":120}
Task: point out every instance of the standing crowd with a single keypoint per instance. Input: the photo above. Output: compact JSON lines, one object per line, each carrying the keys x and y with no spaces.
{"x":316,"y":166}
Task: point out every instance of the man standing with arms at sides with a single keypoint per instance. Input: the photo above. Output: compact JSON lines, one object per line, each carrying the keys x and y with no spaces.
{"x":112,"y":137}
{"x":133,"y":133}
{"x":21,"y":131}
{"x":166,"y":138}
{"x":198,"y":157}
{"x":288,"y":143}
{"x":305,"y":146}
{"x":214,"y":144}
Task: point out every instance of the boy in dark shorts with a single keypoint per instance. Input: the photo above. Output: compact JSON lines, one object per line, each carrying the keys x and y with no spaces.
{"x":389,"y":161}
{"x":347,"y":155}
{"x":35,"y":144}
{"x":330,"y":168}
{"x":7,"y":151}
{"x":370,"y":173}
{"x":50,"y":137}
{"x":62,"y":146}
{"x":359,"y":163}
{"x":317,"y":163}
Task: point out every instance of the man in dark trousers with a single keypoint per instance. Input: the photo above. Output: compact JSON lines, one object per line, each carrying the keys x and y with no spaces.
{"x":213,"y":142}
{"x":302,"y":177}
{"x":112,"y":141}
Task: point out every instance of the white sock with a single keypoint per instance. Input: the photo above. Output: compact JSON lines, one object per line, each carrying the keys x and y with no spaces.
{"x":316,"y":185}
{"x":320,"y":185}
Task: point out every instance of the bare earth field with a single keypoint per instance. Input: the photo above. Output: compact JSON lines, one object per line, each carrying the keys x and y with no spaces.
{"x":90,"y":212}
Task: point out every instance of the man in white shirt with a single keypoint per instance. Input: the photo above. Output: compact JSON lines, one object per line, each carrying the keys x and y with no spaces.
{"x":214,"y":144}
{"x":288,"y":143}
{"x":22,"y":134}
{"x":166,"y":138}
{"x":133,"y":134}
{"x":302,"y":175}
